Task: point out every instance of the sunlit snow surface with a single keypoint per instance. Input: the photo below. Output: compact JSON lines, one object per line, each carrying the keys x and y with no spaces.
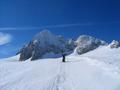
{"x":96,"y":70}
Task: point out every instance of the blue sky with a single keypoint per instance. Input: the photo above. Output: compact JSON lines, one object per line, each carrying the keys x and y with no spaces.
{"x":20,"y":20}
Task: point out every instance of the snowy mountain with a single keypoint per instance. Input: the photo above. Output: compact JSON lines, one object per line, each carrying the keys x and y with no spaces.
{"x":45,"y":44}
{"x":95,"y":70}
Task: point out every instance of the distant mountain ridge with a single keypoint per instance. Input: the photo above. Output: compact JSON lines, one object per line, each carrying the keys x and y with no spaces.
{"x":45,"y":45}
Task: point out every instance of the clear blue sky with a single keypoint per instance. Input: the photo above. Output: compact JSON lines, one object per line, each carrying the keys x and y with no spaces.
{"x":22,"y":19}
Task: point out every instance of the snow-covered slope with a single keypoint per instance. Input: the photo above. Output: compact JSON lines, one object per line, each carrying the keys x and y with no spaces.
{"x":90,"y":71}
{"x":105,"y":54}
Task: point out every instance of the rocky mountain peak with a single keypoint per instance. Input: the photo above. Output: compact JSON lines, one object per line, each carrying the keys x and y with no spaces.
{"x":87,"y":43}
{"x":114,"y":44}
{"x":43,"y":33}
{"x":86,"y":39}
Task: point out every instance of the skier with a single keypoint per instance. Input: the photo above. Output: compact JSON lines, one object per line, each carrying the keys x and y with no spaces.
{"x":63,"y":59}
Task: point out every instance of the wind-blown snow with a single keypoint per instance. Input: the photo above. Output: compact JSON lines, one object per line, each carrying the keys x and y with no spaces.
{"x":81,"y":72}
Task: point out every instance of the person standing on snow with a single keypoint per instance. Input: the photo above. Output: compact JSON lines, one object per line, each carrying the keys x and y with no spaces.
{"x":63,"y":59}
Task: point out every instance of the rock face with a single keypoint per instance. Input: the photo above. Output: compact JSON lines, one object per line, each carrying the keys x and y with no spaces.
{"x":114,"y":44}
{"x":45,"y":43}
{"x":87,"y":43}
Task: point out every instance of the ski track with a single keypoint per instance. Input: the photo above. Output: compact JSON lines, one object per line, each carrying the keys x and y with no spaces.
{"x":58,"y":82}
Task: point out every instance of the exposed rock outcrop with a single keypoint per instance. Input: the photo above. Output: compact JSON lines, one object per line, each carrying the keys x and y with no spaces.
{"x":87,"y":43}
{"x":114,"y":44}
